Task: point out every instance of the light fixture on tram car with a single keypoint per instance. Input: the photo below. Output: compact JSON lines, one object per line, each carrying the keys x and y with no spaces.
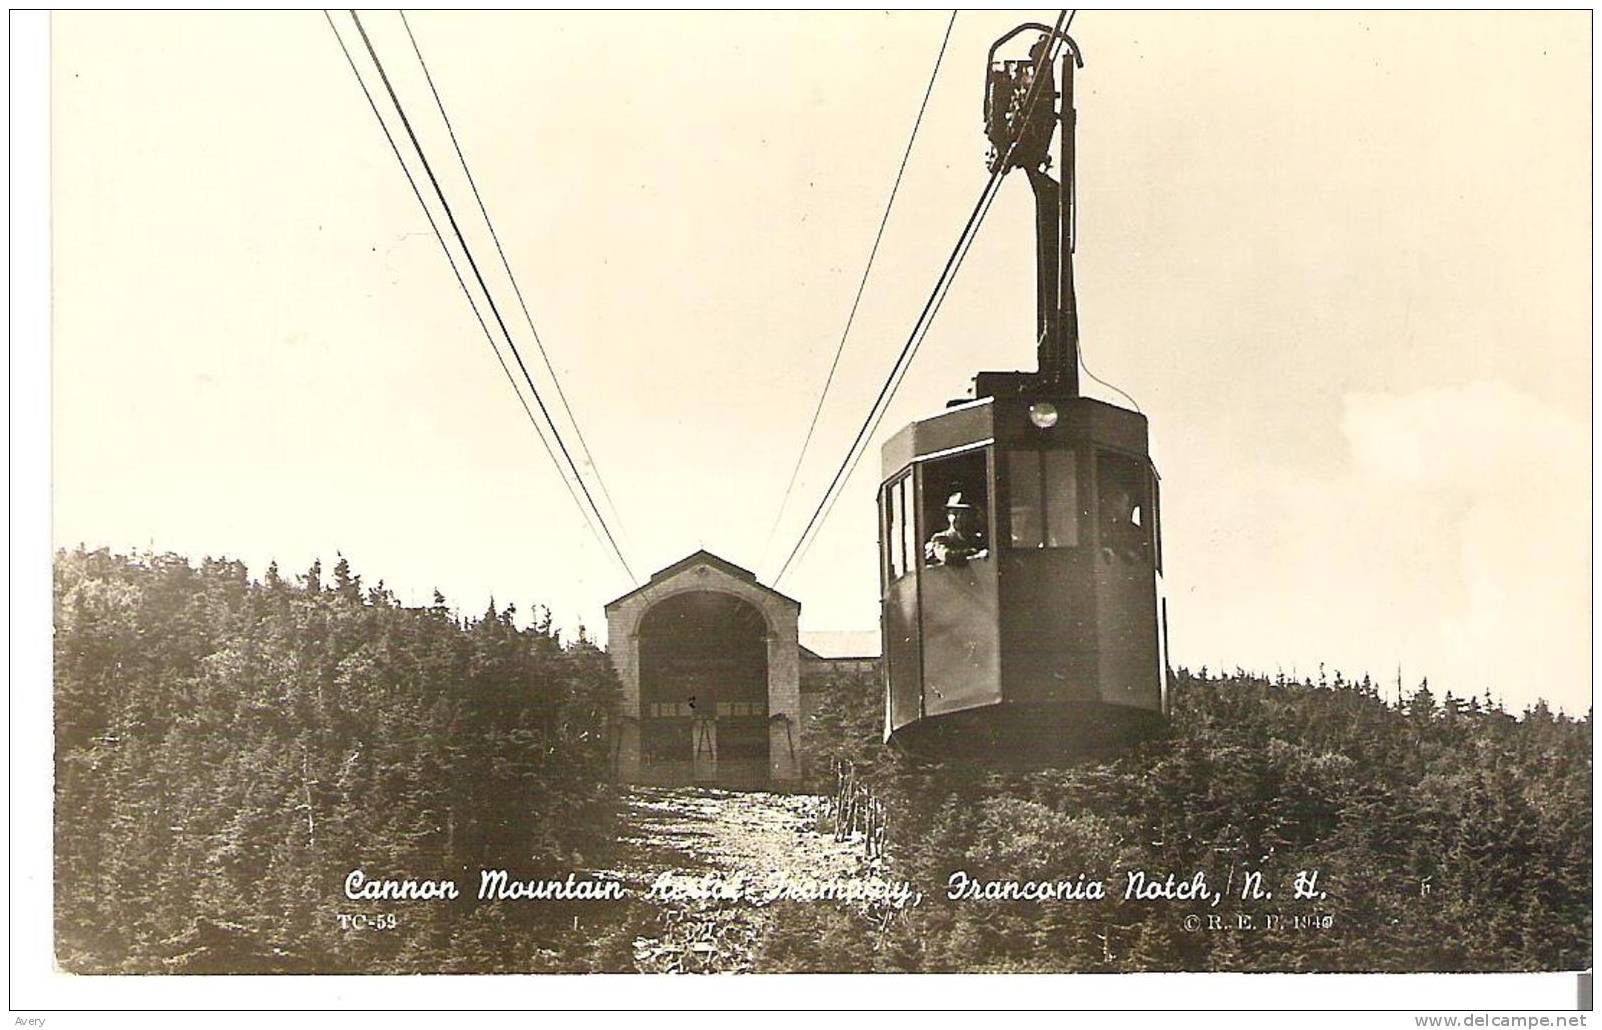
{"x":1043,"y":414}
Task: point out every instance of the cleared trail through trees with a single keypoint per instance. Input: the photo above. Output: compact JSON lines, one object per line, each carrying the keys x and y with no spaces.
{"x":710,"y":863}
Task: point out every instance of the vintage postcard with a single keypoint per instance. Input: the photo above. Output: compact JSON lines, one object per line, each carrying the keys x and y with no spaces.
{"x":878,"y":492}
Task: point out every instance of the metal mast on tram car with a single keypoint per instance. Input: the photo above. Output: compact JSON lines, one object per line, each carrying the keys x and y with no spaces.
{"x":1020,"y":120}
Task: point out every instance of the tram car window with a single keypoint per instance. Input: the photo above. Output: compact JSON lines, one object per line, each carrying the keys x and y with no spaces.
{"x":909,"y":528}
{"x":956,"y":509}
{"x":1155,"y":529}
{"x":1125,"y":520}
{"x":1044,"y":506}
{"x":899,"y":530}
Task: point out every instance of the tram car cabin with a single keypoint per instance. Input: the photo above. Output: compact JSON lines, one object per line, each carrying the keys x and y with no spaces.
{"x":1021,"y":555}
{"x":1042,"y":635}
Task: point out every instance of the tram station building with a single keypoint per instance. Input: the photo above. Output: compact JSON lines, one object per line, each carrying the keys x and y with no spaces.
{"x":712,"y":670}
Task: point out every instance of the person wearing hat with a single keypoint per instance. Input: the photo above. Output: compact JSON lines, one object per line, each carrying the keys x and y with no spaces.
{"x":1120,"y":532}
{"x":961,"y":540}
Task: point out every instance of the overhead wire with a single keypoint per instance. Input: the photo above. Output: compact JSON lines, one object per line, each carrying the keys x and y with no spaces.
{"x":1099,"y":379}
{"x":881,"y":404}
{"x":488,"y":296}
{"x":873,"y":252}
{"x":1080,"y":351}
{"x":472,"y":304}
{"x":925,"y":318}
{"x":517,"y":290}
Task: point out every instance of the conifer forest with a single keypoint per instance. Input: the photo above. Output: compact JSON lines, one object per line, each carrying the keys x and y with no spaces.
{"x":229,"y":749}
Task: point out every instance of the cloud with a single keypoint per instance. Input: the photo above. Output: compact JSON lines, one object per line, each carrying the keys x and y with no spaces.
{"x":1483,"y":438}
{"x":1455,"y":542}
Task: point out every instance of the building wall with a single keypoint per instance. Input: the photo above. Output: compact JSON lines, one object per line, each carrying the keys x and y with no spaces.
{"x":623,"y":619}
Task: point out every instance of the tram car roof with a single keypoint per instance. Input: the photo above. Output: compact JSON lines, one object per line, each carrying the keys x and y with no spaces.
{"x":1003,"y":417}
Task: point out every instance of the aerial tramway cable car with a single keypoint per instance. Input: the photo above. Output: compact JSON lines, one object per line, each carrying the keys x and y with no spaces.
{"x":1022,"y":611}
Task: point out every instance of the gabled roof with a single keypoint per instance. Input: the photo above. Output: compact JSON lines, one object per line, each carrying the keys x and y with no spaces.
{"x":702,"y":557}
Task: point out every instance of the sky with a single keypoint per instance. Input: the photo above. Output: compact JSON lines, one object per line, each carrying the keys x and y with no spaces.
{"x":1341,"y":260}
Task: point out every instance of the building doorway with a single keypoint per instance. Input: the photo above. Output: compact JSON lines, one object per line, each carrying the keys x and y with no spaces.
{"x":704,"y":691}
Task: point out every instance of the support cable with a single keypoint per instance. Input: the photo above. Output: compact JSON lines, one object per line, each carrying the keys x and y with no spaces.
{"x":457,"y":272}
{"x":484,"y":288}
{"x":851,"y":316}
{"x":926,"y":316}
{"x":561,"y":394}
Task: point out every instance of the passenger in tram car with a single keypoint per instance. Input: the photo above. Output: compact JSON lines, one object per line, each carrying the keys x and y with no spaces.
{"x":1121,"y":530}
{"x":962,"y":540}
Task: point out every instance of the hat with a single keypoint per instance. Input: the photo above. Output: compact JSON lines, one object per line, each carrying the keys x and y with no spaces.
{"x":956,"y":501}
